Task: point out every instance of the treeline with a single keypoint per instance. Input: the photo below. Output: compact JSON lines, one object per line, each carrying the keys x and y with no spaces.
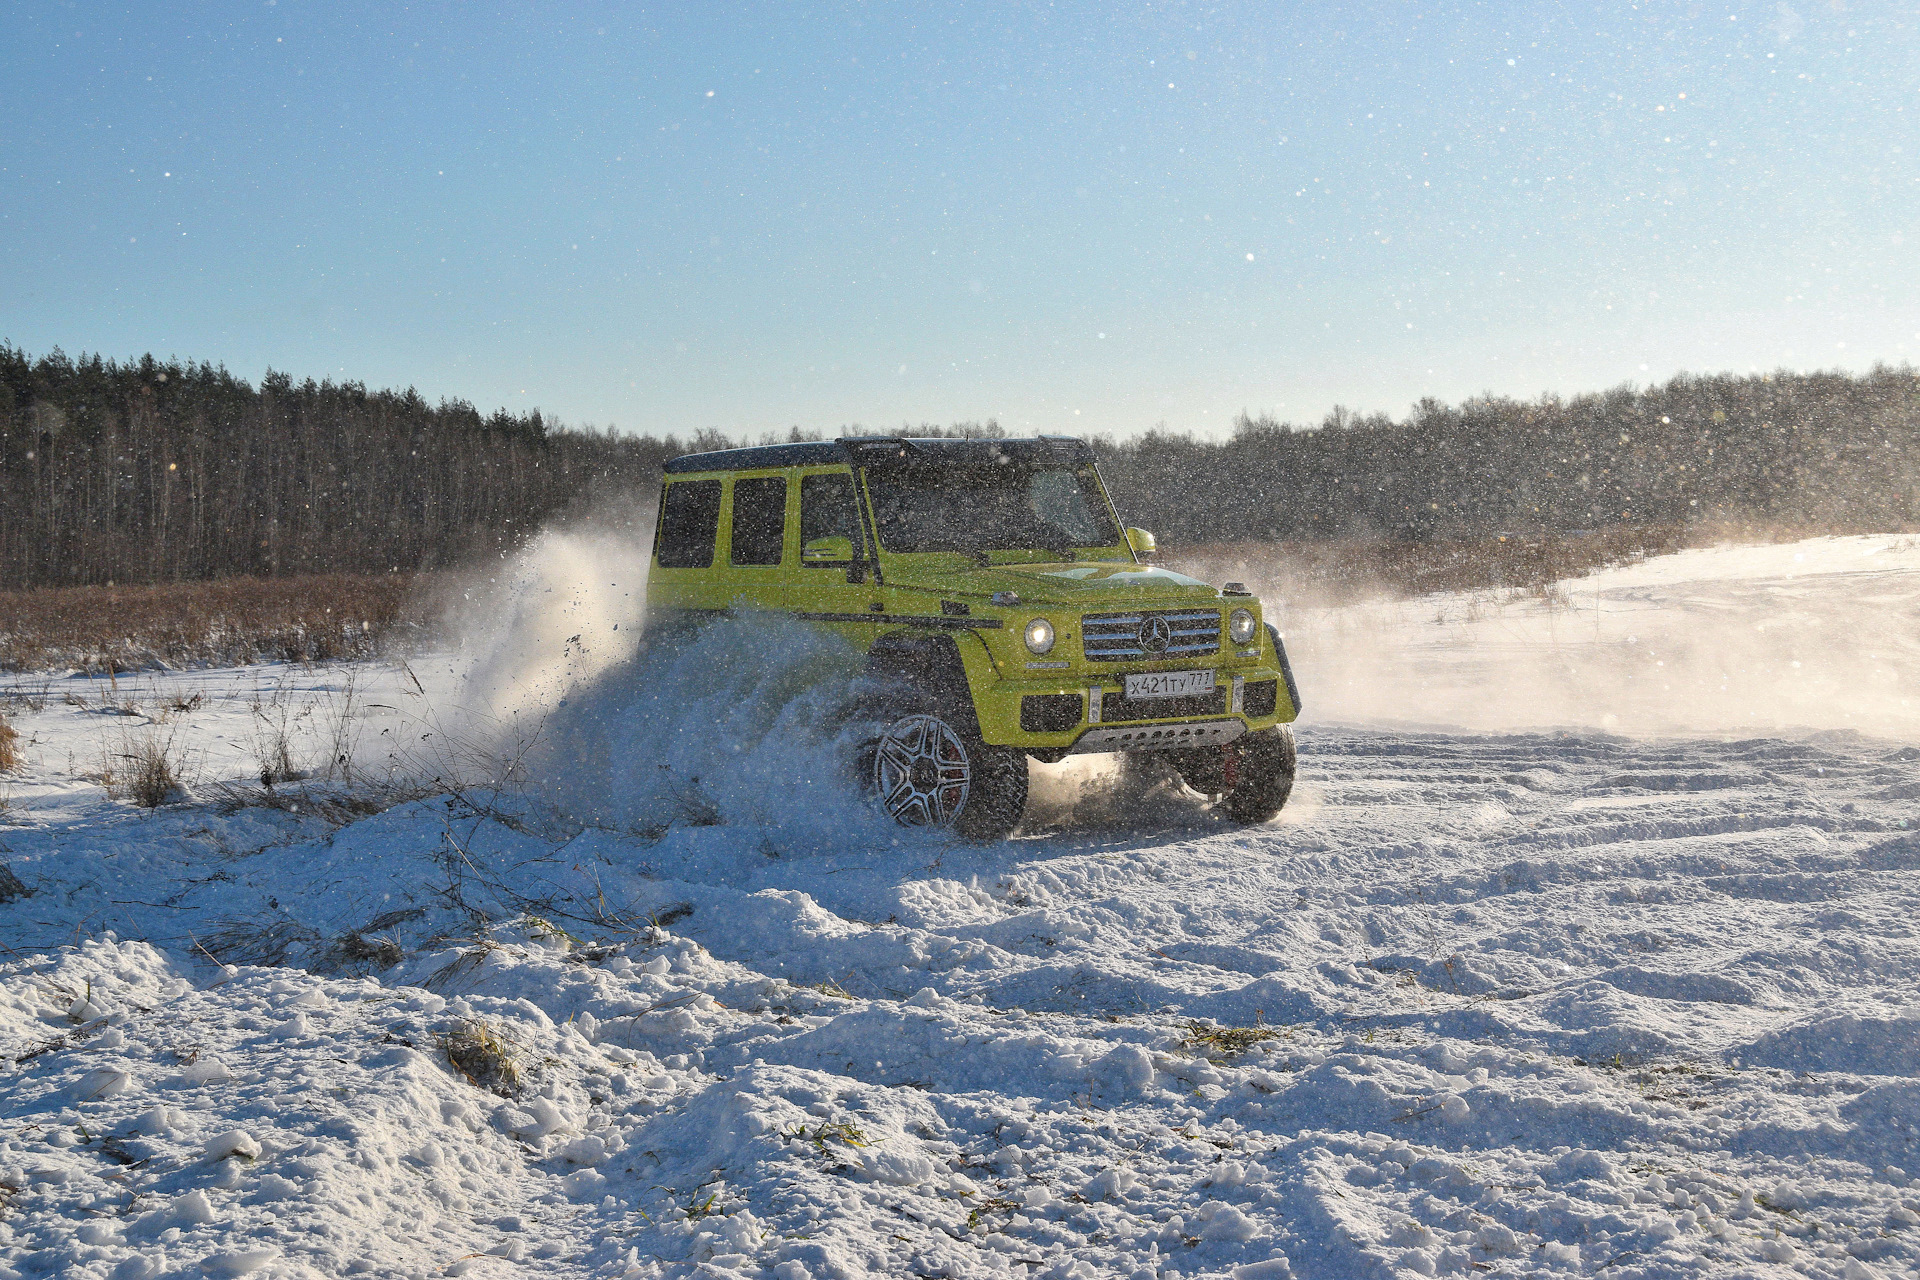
{"x":147,"y":471}
{"x":150,"y":471}
{"x":1816,"y":451}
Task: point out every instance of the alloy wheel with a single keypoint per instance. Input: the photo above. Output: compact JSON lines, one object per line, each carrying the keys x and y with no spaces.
{"x":922,"y":772}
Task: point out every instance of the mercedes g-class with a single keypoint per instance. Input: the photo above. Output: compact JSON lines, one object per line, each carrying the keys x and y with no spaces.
{"x":992,"y":587}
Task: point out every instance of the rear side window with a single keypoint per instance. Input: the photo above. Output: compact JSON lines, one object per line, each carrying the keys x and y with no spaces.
{"x":689,"y":521}
{"x":759,"y":520}
{"x":827,"y":510}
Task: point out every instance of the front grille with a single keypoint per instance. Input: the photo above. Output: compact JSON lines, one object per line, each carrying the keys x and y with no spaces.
{"x":1116,"y":637}
{"x":1049,"y":712}
{"x":1118,"y":709}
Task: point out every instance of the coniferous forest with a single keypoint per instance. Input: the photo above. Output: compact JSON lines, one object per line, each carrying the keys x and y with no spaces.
{"x":151,"y":471}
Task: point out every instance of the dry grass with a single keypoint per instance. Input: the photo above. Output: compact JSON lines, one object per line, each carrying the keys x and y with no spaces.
{"x":486,"y":1058}
{"x":826,"y":1131}
{"x":228,"y":622}
{"x":335,"y":805}
{"x":28,"y":697}
{"x":1224,"y":1042}
{"x":146,"y":770}
{"x":269,"y":942}
{"x":272,"y":741}
{"x":9,"y":746}
{"x":358,"y":952}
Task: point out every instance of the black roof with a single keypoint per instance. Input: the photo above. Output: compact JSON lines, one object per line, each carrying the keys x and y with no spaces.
{"x":881,"y":450}
{"x":809,"y":454}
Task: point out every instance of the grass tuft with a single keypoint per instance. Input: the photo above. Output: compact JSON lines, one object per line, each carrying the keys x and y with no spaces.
{"x":335,"y":805}
{"x":548,"y":932}
{"x":9,"y":746}
{"x":464,"y":962}
{"x":827,"y":1131}
{"x":255,"y":942}
{"x":357,"y":952}
{"x":978,"y":1215}
{"x":146,"y":772}
{"x":1224,"y":1042}
{"x":483,"y":1056}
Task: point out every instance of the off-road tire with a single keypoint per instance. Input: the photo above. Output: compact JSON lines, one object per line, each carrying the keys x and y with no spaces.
{"x":914,"y":731}
{"x":999,"y":794}
{"x":1264,"y":775}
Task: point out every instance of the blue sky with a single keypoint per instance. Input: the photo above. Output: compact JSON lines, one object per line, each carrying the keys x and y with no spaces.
{"x":1070,"y":217}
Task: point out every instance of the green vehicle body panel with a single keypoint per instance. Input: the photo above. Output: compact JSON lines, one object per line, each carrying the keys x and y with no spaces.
{"x":950,"y":594}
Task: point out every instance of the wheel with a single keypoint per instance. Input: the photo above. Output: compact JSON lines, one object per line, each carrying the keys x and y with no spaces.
{"x":927,"y":773}
{"x":1262,"y":774}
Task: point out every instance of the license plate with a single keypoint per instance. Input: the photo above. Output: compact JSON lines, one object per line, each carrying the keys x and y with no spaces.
{"x":1170,"y":684}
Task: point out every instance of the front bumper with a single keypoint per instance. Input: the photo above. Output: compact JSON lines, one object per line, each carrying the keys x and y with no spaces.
{"x":1060,"y":716}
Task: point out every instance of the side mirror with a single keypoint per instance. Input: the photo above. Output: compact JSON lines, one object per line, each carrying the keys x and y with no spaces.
{"x":1143,"y":544}
{"x":827,"y":551}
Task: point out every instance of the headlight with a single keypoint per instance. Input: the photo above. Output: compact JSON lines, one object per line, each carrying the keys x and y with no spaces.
{"x":1241,"y":627}
{"x":1039,"y":635}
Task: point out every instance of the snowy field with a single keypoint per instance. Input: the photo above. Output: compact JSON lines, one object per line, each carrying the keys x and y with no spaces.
{"x":1587,"y":947}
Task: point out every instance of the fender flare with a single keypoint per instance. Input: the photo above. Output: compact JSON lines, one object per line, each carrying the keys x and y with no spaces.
{"x":1286,"y":668}
{"x":930,"y":662}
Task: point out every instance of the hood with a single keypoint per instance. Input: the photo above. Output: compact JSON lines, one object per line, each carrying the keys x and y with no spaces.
{"x":1081,"y":585}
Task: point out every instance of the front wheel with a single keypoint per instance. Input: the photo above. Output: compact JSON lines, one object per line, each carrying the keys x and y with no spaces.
{"x":927,"y":773}
{"x":1263,"y":775}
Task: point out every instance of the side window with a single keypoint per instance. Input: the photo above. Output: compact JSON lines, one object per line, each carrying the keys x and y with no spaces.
{"x":689,"y":521}
{"x":759,"y":520}
{"x":828,"y":510}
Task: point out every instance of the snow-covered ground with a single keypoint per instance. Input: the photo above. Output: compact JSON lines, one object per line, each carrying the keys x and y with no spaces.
{"x":1521,"y":995}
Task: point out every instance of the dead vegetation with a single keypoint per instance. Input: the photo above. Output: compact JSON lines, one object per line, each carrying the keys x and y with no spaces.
{"x":841,"y":1131}
{"x":270,"y":942}
{"x":336,"y":806}
{"x":358,"y":952}
{"x":486,"y":1058}
{"x":225,"y":622}
{"x":9,"y":746}
{"x":1224,"y":1042}
{"x":146,"y":770}
{"x":272,"y":741}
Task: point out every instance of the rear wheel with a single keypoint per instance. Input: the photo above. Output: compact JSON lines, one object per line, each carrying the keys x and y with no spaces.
{"x":927,"y":772}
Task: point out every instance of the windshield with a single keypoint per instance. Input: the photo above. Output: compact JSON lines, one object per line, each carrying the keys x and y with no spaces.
{"x":997,"y":508}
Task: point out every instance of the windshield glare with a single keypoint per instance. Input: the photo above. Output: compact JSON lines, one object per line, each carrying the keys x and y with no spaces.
{"x":1000,"y":508}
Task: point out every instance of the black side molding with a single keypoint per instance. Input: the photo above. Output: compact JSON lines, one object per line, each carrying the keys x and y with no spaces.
{"x":907,"y":619}
{"x":1286,"y":668}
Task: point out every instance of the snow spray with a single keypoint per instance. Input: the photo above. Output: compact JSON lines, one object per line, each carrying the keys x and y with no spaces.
{"x":557,"y":684}
{"x":1817,"y":635}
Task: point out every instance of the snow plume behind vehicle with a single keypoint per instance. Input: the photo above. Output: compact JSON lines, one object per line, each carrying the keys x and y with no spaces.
{"x":757,"y":725}
{"x":569,"y":605}
{"x":555,"y":683}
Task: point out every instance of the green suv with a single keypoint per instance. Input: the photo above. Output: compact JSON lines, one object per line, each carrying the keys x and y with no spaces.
{"x":1003,"y":607}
